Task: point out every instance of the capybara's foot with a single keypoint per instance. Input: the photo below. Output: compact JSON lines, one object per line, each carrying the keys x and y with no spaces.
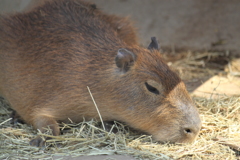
{"x":38,"y":142}
{"x":45,"y":124}
{"x":16,"y":118}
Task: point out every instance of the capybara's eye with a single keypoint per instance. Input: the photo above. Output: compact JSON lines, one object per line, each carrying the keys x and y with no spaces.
{"x":151,"y":88}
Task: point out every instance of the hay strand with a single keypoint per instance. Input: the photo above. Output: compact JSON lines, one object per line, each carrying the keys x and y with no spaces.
{"x":96,"y":108}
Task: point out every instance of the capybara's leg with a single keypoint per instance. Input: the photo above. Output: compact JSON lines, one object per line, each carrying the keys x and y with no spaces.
{"x":16,"y":118}
{"x":44,"y":123}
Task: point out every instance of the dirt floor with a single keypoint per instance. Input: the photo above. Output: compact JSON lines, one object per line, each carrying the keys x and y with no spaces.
{"x":208,"y":74}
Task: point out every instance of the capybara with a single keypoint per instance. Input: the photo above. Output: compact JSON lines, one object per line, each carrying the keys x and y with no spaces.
{"x":51,"y":54}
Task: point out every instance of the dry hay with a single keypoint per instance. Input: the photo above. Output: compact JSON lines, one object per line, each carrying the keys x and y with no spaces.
{"x":219,"y":137}
{"x":201,"y":64}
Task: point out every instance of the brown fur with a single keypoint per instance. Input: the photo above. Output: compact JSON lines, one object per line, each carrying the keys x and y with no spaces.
{"x":49,"y":55}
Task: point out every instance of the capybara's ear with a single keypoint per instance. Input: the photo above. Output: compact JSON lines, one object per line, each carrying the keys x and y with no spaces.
{"x":124,"y":59}
{"x":154,"y":44}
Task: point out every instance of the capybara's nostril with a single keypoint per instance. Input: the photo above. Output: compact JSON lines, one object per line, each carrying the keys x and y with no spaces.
{"x":192,"y":130}
{"x":187,"y":131}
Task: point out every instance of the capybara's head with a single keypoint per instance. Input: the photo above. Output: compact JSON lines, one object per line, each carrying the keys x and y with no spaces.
{"x":153,"y":98}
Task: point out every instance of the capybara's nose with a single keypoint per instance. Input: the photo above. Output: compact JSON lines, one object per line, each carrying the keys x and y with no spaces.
{"x":191,"y":130}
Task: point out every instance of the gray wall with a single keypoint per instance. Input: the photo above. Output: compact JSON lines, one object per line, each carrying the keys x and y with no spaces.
{"x":188,"y":24}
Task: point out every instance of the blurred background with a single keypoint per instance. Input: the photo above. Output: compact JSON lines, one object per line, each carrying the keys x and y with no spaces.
{"x":185,"y":25}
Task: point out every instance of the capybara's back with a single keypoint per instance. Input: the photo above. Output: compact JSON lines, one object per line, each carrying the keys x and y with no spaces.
{"x":49,"y":56}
